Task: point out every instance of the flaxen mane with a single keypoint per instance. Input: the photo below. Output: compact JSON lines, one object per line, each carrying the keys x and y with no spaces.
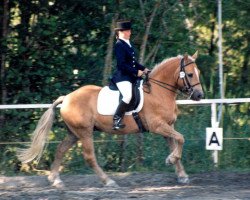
{"x":158,"y":67}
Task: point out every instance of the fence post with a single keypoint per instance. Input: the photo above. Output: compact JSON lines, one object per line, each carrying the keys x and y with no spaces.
{"x":214,"y":124}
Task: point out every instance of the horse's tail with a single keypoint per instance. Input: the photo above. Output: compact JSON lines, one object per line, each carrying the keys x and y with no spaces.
{"x":40,"y":135}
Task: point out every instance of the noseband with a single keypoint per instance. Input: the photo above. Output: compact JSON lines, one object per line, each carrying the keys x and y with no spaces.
{"x":187,"y":88}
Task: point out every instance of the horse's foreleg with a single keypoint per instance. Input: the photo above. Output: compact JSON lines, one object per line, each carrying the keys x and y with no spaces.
{"x":90,"y":158}
{"x":178,"y":141}
{"x":179,"y":169}
{"x":168,"y":131}
{"x":62,"y":148}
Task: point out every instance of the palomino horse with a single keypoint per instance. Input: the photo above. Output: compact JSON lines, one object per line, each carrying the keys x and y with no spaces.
{"x":159,"y":112}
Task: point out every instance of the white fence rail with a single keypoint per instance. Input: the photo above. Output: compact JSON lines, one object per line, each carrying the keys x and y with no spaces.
{"x":181,"y":102}
{"x":213,"y":103}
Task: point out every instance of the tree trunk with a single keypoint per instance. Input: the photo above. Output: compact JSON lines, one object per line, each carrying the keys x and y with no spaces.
{"x":245,"y":69}
{"x":212,"y":44}
{"x":123,"y":157}
{"x":147,"y":31}
{"x":139,"y":157}
{"x":211,"y":51}
{"x":4,"y":33}
{"x":108,"y":59}
{"x":23,"y":31}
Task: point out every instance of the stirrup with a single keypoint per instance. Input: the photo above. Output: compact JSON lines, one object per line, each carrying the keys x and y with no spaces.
{"x":118,"y":127}
{"x":118,"y":124}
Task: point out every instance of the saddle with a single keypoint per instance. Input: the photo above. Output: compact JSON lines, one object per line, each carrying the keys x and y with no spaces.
{"x":109,"y":98}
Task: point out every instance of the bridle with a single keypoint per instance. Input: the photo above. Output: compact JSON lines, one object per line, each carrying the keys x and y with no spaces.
{"x":187,"y":88}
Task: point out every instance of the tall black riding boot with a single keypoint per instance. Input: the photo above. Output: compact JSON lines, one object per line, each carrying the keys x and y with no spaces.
{"x":119,"y":113}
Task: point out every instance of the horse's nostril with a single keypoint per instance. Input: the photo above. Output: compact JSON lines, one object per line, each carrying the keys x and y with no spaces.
{"x":200,"y":95}
{"x":197,"y":95}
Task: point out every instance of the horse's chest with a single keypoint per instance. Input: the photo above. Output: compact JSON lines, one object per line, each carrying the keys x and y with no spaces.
{"x":171,"y":118}
{"x":168,"y":114}
{"x":171,"y":113}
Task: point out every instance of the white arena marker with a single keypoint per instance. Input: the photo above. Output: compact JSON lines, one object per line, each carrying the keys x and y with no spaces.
{"x":214,"y":138}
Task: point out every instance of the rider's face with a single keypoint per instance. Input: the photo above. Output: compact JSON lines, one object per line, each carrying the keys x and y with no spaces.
{"x":125,"y":34}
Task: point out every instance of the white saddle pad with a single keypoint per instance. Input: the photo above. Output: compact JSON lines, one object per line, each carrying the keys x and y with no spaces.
{"x":108,"y":101}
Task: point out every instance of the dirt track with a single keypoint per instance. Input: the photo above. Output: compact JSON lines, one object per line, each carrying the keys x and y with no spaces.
{"x":148,"y":186}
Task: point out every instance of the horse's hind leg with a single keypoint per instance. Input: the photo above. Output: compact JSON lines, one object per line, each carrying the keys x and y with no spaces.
{"x":90,"y":158}
{"x":62,"y":148}
{"x":179,"y":169}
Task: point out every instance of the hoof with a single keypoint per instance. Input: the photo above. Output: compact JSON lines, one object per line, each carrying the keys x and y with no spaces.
{"x":58,"y":185}
{"x":171,"y":160}
{"x":183,"y":180}
{"x":51,"y":179}
{"x":111,"y":184}
{"x":56,"y":182}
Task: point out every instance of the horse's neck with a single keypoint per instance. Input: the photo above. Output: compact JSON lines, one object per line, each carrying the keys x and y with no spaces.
{"x":167,"y":71}
{"x":166,"y":75}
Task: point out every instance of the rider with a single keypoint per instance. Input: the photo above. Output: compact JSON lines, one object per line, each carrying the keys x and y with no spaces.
{"x":127,"y":70}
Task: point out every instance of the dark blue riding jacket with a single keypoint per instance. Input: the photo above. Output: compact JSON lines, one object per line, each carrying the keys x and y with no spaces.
{"x":127,"y":67}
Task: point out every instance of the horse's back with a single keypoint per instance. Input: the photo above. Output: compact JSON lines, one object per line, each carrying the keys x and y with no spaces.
{"x":80,"y":104}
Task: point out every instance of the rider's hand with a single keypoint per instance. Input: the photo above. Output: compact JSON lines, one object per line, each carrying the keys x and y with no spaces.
{"x":140,"y":73}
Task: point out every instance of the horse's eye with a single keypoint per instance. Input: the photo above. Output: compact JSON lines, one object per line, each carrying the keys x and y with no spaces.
{"x":190,"y":75}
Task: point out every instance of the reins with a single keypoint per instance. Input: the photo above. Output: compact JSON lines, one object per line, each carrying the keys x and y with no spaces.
{"x":162,"y":84}
{"x":187,"y":89}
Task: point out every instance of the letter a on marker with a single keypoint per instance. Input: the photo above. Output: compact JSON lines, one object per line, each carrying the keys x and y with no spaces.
{"x":214,"y":139}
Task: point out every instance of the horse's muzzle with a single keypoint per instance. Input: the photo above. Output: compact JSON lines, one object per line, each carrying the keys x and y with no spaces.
{"x":197,"y":95}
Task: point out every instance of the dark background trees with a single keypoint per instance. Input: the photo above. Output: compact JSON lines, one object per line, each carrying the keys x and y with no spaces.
{"x":51,"y":47}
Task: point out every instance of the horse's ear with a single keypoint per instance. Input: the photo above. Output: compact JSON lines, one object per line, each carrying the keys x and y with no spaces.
{"x":195,"y":56}
{"x":186,"y":56}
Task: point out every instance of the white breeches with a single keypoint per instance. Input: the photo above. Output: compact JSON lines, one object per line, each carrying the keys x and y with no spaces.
{"x":125,"y":87}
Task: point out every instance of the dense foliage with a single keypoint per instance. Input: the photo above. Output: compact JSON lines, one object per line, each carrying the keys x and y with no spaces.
{"x":51,"y":47}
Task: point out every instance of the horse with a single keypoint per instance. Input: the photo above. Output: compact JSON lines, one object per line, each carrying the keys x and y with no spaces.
{"x":158,"y":115}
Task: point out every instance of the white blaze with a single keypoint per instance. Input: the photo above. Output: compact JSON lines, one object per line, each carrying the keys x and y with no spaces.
{"x":197,"y":73}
